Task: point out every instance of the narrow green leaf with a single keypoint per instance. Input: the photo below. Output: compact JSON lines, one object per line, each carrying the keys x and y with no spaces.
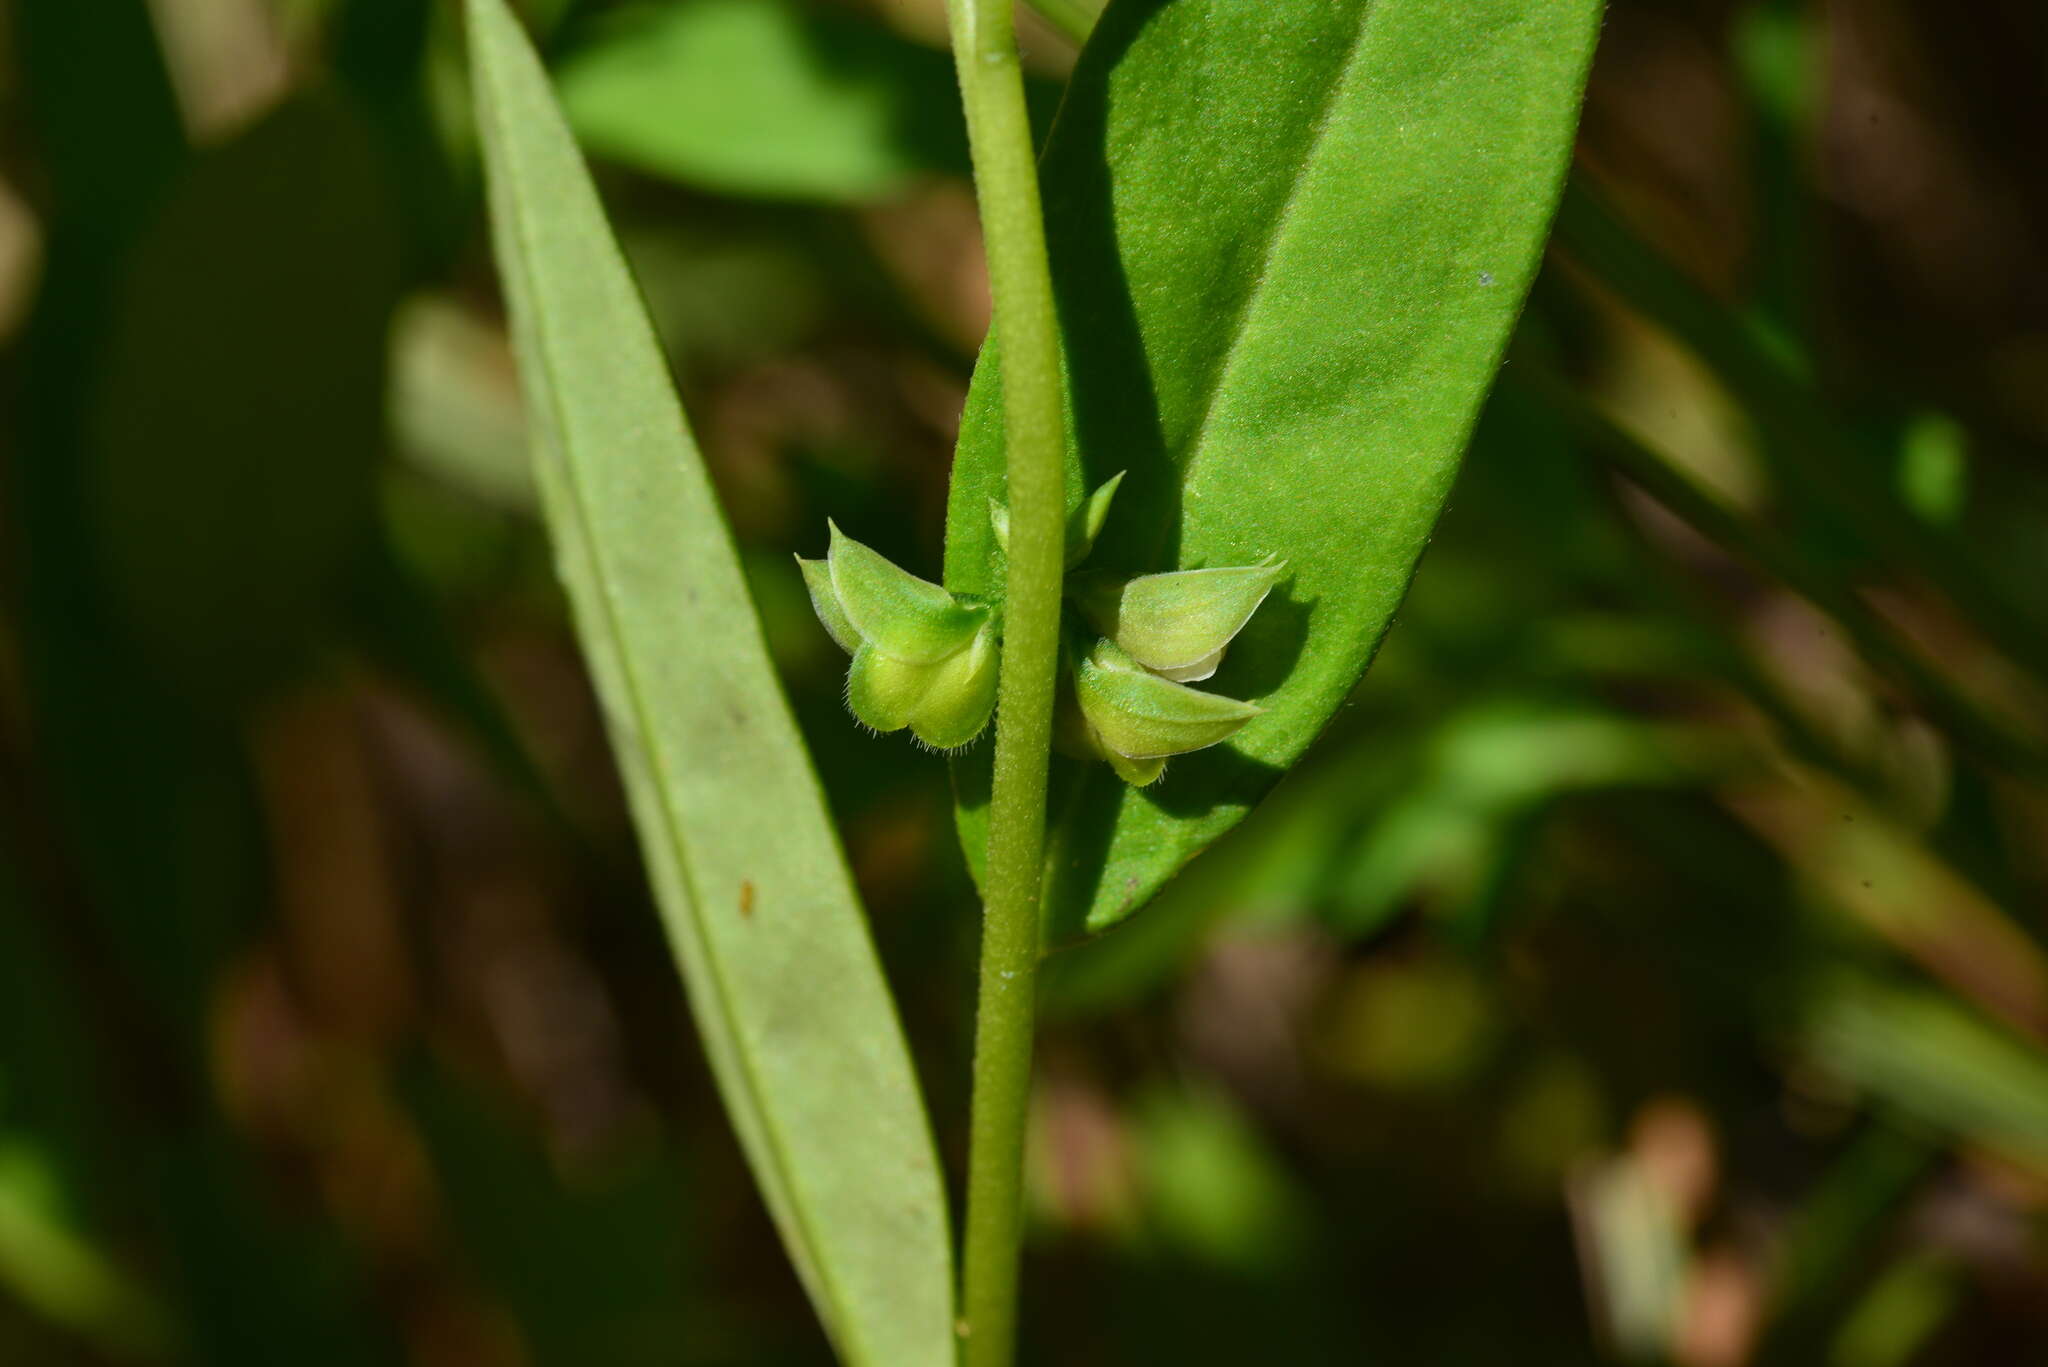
{"x":764,"y":920}
{"x":1289,"y":240}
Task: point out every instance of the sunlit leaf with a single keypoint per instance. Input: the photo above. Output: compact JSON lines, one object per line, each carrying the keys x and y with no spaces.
{"x":1289,"y":241}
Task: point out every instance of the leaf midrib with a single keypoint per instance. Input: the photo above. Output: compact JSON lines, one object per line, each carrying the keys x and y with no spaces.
{"x":1240,"y":324}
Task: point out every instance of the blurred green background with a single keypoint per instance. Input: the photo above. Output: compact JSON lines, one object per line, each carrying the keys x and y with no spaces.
{"x":1650,"y":965}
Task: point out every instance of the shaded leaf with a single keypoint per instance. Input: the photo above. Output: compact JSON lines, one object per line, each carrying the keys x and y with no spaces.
{"x":751,"y":882}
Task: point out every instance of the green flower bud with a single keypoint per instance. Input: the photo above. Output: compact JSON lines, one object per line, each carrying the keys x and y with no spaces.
{"x":1073,"y":735}
{"x":1178,"y":624}
{"x":945,"y":705}
{"x":1135,"y":719}
{"x":921,"y":657}
{"x":1084,"y":524}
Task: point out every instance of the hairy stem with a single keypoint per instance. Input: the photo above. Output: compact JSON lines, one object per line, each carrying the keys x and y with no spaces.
{"x":1026,"y":334}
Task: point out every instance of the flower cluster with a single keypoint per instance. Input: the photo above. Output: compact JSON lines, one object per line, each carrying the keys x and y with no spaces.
{"x":925,"y":659}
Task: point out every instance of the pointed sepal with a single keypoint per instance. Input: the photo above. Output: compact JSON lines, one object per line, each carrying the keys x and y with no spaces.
{"x":1138,"y":715}
{"x":902,"y":616}
{"x":825,"y":602}
{"x":1176,"y":624}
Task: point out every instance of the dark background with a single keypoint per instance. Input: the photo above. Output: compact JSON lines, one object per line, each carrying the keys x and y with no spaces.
{"x":1648,"y":966}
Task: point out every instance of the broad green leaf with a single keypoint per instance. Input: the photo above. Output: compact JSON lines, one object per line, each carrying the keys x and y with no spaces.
{"x":1289,"y":241}
{"x":754,"y":890}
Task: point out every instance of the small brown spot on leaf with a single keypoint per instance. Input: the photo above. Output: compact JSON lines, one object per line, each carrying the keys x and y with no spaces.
{"x":746,"y":898}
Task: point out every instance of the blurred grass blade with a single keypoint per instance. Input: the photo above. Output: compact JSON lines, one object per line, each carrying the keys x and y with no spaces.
{"x":1894,"y":1321}
{"x":1804,"y":443}
{"x":1289,"y":240}
{"x":1997,"y":740}
{"x":760,"y":909}
{"x":771,"y":98}
{"x":1828,"y":1241}
{"x":49,"y":1265}
{"x":1932,"y":1059}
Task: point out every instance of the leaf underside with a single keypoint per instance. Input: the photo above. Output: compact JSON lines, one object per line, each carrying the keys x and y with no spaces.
{"x":762,"y":915}
{"x":1289,"y":241}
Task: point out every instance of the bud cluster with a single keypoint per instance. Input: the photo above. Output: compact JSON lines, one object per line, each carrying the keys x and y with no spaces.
{"x":925,"y":659}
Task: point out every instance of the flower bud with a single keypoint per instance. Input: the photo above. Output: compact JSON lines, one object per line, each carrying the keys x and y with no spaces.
{"x":1135,"y":719}
{"x":921,"y":657}
{"x":945,"y":704}
{"x":1084,"y":524}
{"x":1177,"y":624}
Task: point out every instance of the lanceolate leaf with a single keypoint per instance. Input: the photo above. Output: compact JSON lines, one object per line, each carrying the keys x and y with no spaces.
{"x":763,"y":917}
{"x":1289,"y":240}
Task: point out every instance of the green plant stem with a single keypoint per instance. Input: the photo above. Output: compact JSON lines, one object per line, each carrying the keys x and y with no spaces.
{"x":1026,"y":331}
